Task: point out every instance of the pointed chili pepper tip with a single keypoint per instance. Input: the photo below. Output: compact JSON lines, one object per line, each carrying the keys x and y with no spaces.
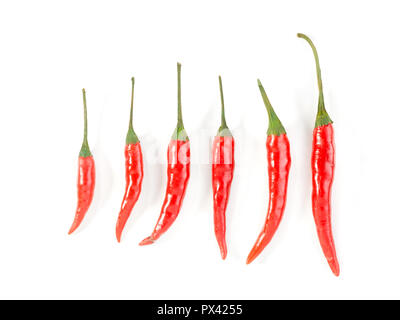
{"x":223,"y":254}
{"x":222,"y":248}
{"x":147,"y":241}
{"x":72,"y":229}
{"x":336,"y":273}
{"x":250,"y":258}
{"x":334,"y":265}
{"x":118,"y":234}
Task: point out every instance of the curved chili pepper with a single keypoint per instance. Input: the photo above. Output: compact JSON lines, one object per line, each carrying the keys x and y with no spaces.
{"x":86,"y":176}
{"x":133,"y":174}
{"x":278,"y":155}
{"x":178,"y":173}
{"x":222,"y":174}
{"x":322,"y":167}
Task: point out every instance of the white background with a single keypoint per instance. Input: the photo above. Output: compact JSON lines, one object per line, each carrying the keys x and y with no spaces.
{"x":49,"y":50}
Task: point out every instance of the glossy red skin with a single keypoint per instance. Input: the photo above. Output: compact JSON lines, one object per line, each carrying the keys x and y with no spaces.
{"x":323,"y":166}
{"x":86,"y":183}
{"x":178,"y":173}
{"x":133,"y":178}
{"x":223,"y":165}
{"x":279,"y":160}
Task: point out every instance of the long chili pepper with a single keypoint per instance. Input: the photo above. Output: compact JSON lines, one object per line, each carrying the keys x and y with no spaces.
{"x":223,"y":165}
{"x":322,"y":167}
{"x":278,"y":155}
{"x":178,"y":173}
{"x":86,"y":176}
{"x":133,"y":174}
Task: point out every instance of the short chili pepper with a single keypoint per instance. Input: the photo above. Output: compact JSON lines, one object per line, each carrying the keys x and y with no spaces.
{"x":278,"y":155}
{"x":133,"y":174}
{"x":322,"y":167}
{"x":178,"y":173}
{"x":223,"y":165}
{"x":86,"y":175}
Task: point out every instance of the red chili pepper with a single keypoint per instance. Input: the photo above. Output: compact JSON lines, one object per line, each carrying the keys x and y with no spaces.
{"x":86,"y":176}
{"x":178,"y":175}
{"x":222,"y":174}
{"x":322,"y":166}
{"x":133,"y":174}
{"x":278,"y":155}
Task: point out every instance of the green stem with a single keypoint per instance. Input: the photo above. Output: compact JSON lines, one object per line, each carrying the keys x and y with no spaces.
{"x":322,"y":116}
{"x":179,"y":133}
{"x":180,"y":121}
{"x":84,"y":117}
{"x":223,"y":130}
{"x":131,"y":137}
{"x":275,"y":126}
{"x":223,"y":121}
{"x":85,"y":151}
{"x":131,"y":112}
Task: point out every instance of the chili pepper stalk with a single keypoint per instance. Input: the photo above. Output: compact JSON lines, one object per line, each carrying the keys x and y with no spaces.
{"x":179,"y":132}
{"x":322,"y":168}
{"x":223,"y":130}
{"x":322,"y":116}
{"x":131,"y":137}
{"x":275,"y":126}
{"x":85,"y":150}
